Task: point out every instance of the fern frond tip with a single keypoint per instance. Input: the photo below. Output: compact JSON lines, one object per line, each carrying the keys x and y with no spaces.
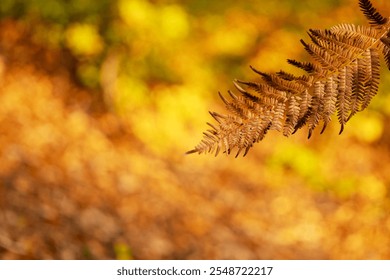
{"x":373,"y":16}
{"x":341,"y":80}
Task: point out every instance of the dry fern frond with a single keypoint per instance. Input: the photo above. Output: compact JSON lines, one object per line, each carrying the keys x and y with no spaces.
{"x":342,"y":78}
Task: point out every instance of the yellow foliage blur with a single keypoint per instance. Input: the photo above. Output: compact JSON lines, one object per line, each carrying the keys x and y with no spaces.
{"x":95,"y":120}
{"x":83,"y":39}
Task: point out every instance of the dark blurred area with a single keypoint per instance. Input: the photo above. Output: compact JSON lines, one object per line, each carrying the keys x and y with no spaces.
{"x":100,"y":100}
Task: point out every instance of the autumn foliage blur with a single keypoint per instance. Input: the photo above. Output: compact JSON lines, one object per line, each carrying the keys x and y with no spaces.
{"x":99,"y":101}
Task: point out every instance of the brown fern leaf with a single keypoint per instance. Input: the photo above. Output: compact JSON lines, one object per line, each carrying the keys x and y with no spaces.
{"x":317,"y":106}
{"x":344,"y":91}
{"x":342,"y":78}
{"x":305,"y":110}
{"x":292,"y":115}
{"x":374,"y":17}
{"x":386,"y":48}
{"x":330,"y":98}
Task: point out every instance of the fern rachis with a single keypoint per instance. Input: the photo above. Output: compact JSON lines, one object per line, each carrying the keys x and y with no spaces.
{"x":342,"y":78}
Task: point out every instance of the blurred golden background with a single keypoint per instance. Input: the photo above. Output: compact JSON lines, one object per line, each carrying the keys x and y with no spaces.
{"x":99,"y":101}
